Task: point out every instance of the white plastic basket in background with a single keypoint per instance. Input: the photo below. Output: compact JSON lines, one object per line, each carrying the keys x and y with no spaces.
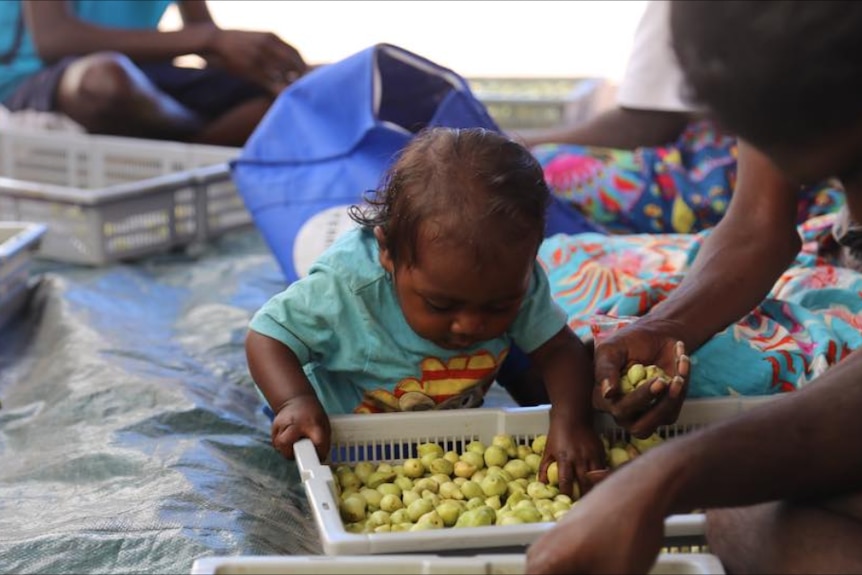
{"x":393,"y":437}
{"x":502,"y":564}
{"x":18,"y":242}
{"x":107,"y":199}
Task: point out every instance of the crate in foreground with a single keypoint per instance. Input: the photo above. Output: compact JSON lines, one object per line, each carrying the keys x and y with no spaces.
{"x":395,"y":437}
{"x":107,"y":199}
{"x":18,"y":242}
{"x":666,"y":564}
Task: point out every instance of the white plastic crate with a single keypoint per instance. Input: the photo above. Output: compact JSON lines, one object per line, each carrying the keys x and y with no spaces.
{"x":393,"y":437}
{"x":666,"y":564}
{"x":18,"y":242}
{"x":107,"y":199}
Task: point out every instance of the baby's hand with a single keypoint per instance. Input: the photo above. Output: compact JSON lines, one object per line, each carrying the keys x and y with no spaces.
{"x":301,"y":417}
{"x":579,"y":453}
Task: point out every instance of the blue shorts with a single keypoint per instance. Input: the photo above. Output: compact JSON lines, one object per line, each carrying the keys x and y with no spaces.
{"x":208,"y":91}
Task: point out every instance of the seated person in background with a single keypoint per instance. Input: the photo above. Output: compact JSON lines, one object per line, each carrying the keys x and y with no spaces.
{"x":108,"y":67}
{"x":417,"y":307}
{"x":654,"y":163}
{"x":782,"y":490}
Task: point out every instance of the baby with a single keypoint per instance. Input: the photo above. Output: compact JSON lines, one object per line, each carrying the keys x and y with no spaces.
{"x":417,"y":307}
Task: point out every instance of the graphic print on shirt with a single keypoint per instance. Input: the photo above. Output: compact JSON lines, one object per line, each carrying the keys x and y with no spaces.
{"x":457,"y":384}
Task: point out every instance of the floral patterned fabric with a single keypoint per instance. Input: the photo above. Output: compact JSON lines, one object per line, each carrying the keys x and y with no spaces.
{"x":683,"y":187}
{"x":811,"y":319}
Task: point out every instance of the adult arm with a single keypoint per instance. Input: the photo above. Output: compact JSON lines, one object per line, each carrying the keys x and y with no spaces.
{"x":57,"y":32}
{"x":734,"y":270}
{"x":741,"y":260}
{"x":619,"y":128}
{"x":792,"y":448}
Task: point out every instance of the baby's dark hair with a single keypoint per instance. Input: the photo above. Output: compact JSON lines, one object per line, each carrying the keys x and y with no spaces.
{"x":478,"y":187}
{"x":773,"y":72}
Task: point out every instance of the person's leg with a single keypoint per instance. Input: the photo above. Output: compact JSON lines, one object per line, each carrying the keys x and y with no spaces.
{"x":107,"y":94}
{"x":784,"y":538}
{"x":232,"y":107}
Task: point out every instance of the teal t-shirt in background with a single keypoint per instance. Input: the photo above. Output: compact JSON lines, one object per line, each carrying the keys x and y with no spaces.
{"x":128,"y":14}
{"x":344,"y":324}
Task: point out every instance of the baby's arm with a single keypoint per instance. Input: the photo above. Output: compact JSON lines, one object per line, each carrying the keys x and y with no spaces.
{"x":280,"y":377}
{"x":572,"y":440}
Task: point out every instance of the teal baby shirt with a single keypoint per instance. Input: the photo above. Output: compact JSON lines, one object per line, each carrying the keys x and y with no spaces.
{"x":344,"y":324}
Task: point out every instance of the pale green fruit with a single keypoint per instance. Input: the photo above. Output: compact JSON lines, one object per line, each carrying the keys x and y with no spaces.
{"x":372,"y":498}
{"x":451,"y":456}
{"x":432,"y":497}
{"x":390,"y":503}
{"x":553,"y":473}
{"x":350,"y":480}
{"x":654,"y":371}
{"x":399,"y":516}
{"x":348,"y":492}
{"x":523,"y":452}
{"x":450,"y":490}
{"x":559,"y":514}
{"x":342,"y":468}
{"x":495,"y":455}
{"x":427,"y":459}
{"x":475,"y":502}
{"x":419,"y":508}
{"x":413,"y":468}
{"x":560,"y":506}
{"x":516,"y":497}
{"x":544,"y":505}
{"x":399,"y":470}
{"x":644,"y":445}
{"x":379,"y":477}
{"x":355,"y":527}
{"x":389,"y":489}
{"x":510,"y":519}
{"x":363,"y":469}
{"x":409,"y":497}
{"x":474,"y":447}
{"x":475,"y":459}
{"x":506,"y":443}
{"x":430,"y":520}
{"x":500,"y":472}
{"x":528,"y":514}
{"x":524,"y":481}
{"x":426,"y":483}
{"x":533,"y":461}
{"x":514,"y":487}
{"x":494,"y":502}
{"x":636,"y":373}
{"x":385,"y":468}
{"x":463,"y":469}
{"x":441,"y":466}
{"x":538,"y":490}
{"x":383,"y":528}
{"x":401,"y":526}
{"x":379,"y":518}
{"x":459,"y":481}
{"x":477,"y":517}
{"x":479,"y":475}
{"x":617,"y":457}
{"x":441,"y":478}
{"x":563,"y":498}
{"x":405,"y":483}
{"x":517,"y":468}
{"x":524,"y":503}
{"x":471,"y":489}
{"x":353,"y":509}
{"x":626,"y":385}
{"x":538,"y":444}
{"x":449,"y":511}
{"x":426,"y":448}
{"x":493,"y":485}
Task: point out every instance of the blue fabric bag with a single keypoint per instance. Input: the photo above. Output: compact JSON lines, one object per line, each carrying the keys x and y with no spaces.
{"x":329,"y":138}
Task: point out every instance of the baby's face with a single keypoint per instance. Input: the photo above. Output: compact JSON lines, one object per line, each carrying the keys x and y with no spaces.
{"x":450,"y":300}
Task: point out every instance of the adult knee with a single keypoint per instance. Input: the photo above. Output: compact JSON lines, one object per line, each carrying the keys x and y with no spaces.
{"x":104,"y":83}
